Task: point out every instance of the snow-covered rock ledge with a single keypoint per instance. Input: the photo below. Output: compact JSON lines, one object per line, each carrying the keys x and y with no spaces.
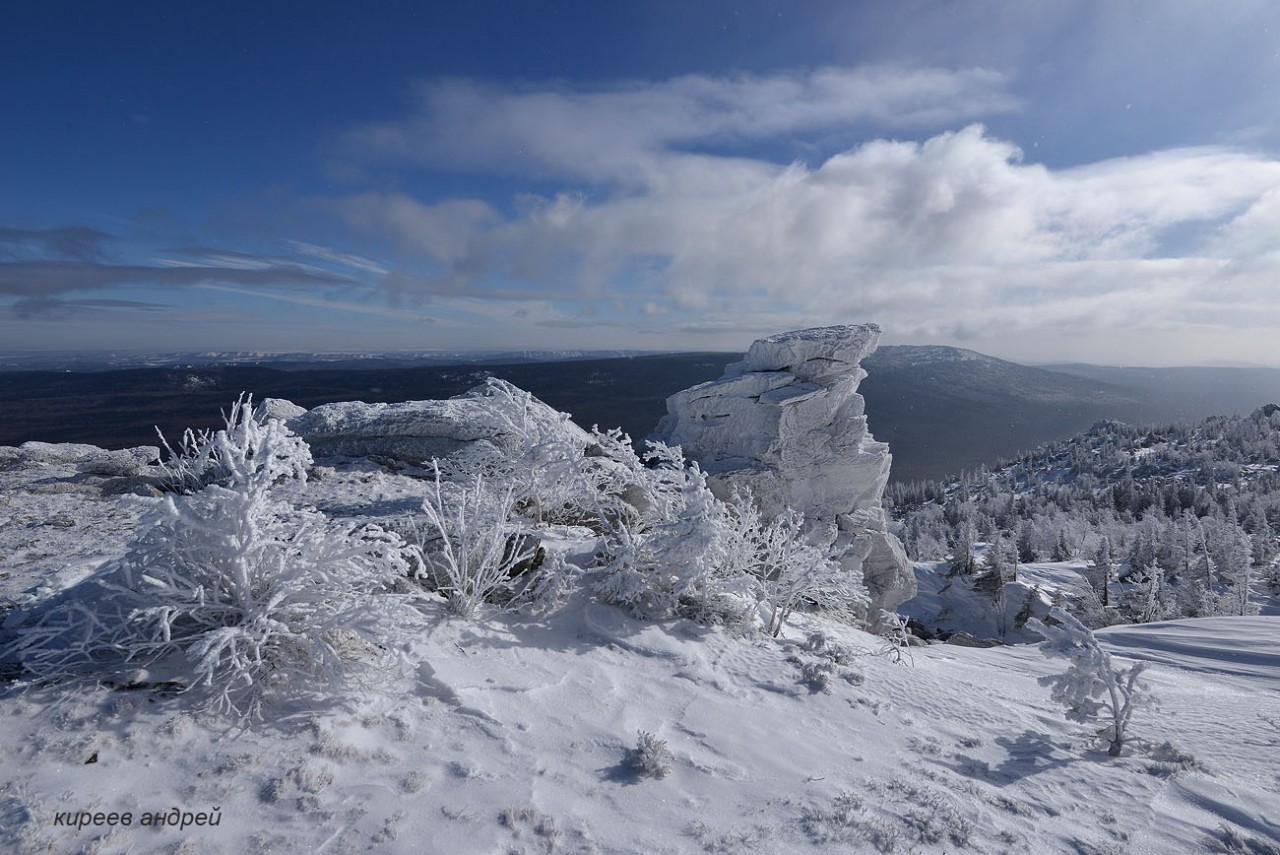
{"x":495,"y":415}
{"x":787,"y":423}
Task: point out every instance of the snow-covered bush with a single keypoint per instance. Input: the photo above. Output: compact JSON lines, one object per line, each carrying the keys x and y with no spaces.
{"x":1091,"y":689}
{"x":717,"y":561}
{"x":538,"y":457}
{"x":896,"y":643}
{"x":789,"y":569}
{"x":243,"y":448}
{"x":651,"y":757}
{"x":631,"y":491}
{"x":559,"y":473}
{"x":228,"y":591}
{"x":470,"y":549}
{"x":688,"y":564}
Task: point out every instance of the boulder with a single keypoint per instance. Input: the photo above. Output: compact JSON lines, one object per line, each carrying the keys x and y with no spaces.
{"x":88,"y":459}
{"x":788,"y":424}
{"x":496,"y":415}
{"x":277,"y":408}
{"x":125,"y":463}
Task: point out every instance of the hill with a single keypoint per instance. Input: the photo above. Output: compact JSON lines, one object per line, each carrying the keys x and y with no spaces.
{"x":1167,"y":520}
{"x":946,"y":409}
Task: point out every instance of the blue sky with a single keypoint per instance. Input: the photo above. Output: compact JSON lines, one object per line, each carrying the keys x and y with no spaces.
{"x":1056,"y":180}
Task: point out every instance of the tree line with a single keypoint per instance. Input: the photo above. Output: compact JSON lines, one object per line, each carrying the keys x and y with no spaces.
{"x":1170,"y":520}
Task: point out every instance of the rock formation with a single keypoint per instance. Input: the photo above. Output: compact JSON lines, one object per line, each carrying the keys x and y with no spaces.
{"x":496,"y":415}
{"x":787,"y":423}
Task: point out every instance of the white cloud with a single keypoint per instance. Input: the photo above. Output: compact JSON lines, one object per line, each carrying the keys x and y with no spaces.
{"x":956,"y":236}
{"x":1253,"y":234}
{"x":320,"y":302}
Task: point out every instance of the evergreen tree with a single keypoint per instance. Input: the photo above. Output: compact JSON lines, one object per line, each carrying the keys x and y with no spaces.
{"x":1102,"y":570}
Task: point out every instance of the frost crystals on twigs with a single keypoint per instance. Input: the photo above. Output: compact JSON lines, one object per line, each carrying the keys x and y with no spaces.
{"x":470,"y":551}
{"x":228,"y":590}
{"x":1091,"y":689}
{"x":246,"y":448}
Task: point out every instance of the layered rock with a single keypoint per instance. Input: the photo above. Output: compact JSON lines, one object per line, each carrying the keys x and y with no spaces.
{"x":496,"y":415}
{"x":89,"y":459}
{"x":99,"y":471}
{"x":788,"y":424}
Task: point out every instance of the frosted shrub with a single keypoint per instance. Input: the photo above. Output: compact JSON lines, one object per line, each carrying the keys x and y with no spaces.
{"x":559,"y":473}
{"x":716,"y":561}
{"x":686,"y":565}
{"x":650,"y":758}
{"x":228,"y":591}
{"x":639,"y":493}
{"x":469,"y":547}
{"x":242,"y":449}
{"x":1091,"y":689}
{"x":789,"y":569}
{"x":539,"y":458}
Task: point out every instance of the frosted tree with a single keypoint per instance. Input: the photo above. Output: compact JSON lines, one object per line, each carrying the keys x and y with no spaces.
{"x":1232,"y":552}
{"x":1091,"y":688}
{"x":962,"y":559}
{"x":1149,"y":596}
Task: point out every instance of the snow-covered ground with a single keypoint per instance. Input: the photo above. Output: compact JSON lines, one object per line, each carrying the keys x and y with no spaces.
{"x":948,"y":603}
{"x":517,"y":733}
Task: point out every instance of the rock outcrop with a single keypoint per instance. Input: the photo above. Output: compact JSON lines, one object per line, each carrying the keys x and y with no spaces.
{"x":99,"y":472}
{"x":89,"y":459}
{"x":495,"y":414}
{"x":788,"y":424}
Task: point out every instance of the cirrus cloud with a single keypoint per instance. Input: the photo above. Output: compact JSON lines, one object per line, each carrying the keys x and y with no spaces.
{"x":619,"y":133}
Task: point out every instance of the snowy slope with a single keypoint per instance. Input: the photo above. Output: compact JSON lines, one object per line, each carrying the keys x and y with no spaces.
{"x":947,"y":603}
{"x":513,"y":733}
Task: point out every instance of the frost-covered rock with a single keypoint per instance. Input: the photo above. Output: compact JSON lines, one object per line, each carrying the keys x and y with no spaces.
{"x":495,"y":413}
{"x":89,"y":459}
{"x":814,"y":354}
{"x":787,"y":423}
{"x":277,"y":408}
{"x":126,"y":462}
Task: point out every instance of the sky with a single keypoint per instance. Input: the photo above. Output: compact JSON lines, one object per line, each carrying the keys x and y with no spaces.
{"x":1052,"y":181}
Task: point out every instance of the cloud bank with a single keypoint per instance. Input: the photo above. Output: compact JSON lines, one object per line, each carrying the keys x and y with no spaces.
{"x":626,"y":134}
{"x":954,"y":235}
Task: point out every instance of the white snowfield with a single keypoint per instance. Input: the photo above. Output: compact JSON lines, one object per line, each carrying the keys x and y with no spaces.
{"x":515,"y":733}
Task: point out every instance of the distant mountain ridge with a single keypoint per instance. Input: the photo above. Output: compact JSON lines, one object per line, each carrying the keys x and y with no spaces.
{"x":294,"y":361}
{"x":944,"y":409}
{"x":1187,"y":394}
{"x":941,"y":409}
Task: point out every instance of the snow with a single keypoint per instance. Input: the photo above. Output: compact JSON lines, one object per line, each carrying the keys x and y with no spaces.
{"x":814,"y":354}
{"x":512,"y":732}
{"x":950,"y":603}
